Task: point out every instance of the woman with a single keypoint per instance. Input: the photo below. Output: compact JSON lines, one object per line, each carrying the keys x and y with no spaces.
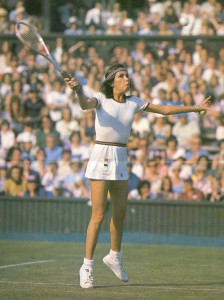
{"x":107,"y":166}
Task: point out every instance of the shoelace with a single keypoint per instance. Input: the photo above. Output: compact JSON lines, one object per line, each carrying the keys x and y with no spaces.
{"x":89,"y":276}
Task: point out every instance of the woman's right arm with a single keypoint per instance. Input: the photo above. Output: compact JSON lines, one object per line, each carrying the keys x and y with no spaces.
{"x":84,"y":102}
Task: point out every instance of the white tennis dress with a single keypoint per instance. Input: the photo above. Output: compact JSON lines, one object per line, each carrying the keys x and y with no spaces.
{"x":113,"y":125}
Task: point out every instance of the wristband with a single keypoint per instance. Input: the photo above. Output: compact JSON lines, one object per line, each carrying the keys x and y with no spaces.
{"x":196,"y":109}
{"x":79,"y":90}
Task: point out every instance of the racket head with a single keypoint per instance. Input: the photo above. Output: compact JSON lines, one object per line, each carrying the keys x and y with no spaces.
{"x":28,"y":36}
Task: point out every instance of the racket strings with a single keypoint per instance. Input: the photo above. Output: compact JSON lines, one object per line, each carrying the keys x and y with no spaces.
{"x":30,"y":37}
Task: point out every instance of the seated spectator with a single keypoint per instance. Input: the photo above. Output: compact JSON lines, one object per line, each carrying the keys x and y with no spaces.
{"x":195,"y":150}
{"x":74,"y":184}
{"x":14,"y":156}
{"x":3,"y":173}
{"x":218,"y":159}
{"x":7,"y":136}
{"x":27,"y":132}
{"x":66,"y":125}
{"x":87,"y":126}
{"x":172,"y":151}
{"x":152,"y":175}
{"x":32,"y":108}
{"x":78,"y":149}
{"x":141,"y":125}
{"x":52,"y":151}
{"x":161,"y":130}
{"x":39,"y":164}
{"x":177,"y":181}
{"x":32,"y":187}
{"x":166,"y":190}
{"x":219,"y":133}
{"x":201,"y":181}
{"x":15,"y":115}
{"x":64,"y":166}
{"x":216,"y":194}
{"x":73,"y":27}
{"x":47,"y":128}
{"x":143,"y":191}
{"x":14,"y":184}
{"x":51,"y":181}
{"x":27,"y":171}
{"x":184,"y":130}
{"x":190,"y":193}
{"x":56,"y":100}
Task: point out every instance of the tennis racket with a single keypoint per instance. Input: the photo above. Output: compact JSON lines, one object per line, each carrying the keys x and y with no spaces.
{"x":28,"y":36}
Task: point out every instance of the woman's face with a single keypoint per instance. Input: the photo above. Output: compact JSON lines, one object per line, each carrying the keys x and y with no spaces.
{"x":121,"y":82}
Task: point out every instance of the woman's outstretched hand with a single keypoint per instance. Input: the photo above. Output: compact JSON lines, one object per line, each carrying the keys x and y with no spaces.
{"x":204,"y":106}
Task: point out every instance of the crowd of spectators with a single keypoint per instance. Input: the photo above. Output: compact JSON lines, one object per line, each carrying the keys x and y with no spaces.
{"x":46,"y":139}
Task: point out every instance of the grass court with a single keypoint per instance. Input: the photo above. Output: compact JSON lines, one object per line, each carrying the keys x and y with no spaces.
{"x":49,"y":270}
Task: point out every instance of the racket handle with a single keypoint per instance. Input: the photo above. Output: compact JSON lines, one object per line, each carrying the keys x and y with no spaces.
{"x":65,"y":75}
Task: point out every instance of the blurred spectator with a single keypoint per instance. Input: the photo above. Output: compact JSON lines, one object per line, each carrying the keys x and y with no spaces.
{"x":3,"y":19}
{"x":39,"y":165}
{"x":215,"y":195}
{"x":184,"y":130}
{"x":51,"y":181}
{"x":166,"y":190}
{"x":74,"y":185}
{"x":195,"y":150}
{"x":14,"y":184}
{"x":7,"y":136}
{"x":152,"y":175}
{"x":47,"y":128}
{"x":3,"y":173}
{"x":32,"y":108}
{"x":143,"y":191}
{"x":78,"y":149}
{"x":64,"y":166}
{"x":72,"y":27}
{"x":32,"y":187}
{"x":172,"y":151}
{"x":53,"y":152}
{"x":218,"y":159}
{"x":133,"y":179}
{"x":66,"y":125}
{"x":177,"y":181}
{"x":190,"y":193}
{"x":94,"y":15}
{"x":200,"y":180}
{"x":87,"y":127}
{"x":56,"y":100}
{"x":161,"y":130}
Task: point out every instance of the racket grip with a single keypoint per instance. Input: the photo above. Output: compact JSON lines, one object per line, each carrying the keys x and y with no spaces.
{"x":65,"y":75}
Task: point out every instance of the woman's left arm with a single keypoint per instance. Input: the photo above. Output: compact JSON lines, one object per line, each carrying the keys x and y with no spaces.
{"x":202,"y":108}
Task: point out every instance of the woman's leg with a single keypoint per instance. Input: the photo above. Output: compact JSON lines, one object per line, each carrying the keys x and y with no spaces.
{"x":118,"y":193}
{"x":99,"y":190}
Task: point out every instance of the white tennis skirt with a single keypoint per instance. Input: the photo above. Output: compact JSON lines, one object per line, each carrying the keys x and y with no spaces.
{"x":107,"y":162}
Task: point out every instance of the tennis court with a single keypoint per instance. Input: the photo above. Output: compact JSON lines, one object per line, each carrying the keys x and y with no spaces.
{"x":49,"y":270}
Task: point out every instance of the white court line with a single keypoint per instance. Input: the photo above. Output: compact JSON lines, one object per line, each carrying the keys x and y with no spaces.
{"x":26,"y":263}
{"x":160,"y":287}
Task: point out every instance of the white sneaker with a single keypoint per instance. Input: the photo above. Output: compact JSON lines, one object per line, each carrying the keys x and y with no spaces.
{"x":86,"y":278}
{"x":116,"y":266}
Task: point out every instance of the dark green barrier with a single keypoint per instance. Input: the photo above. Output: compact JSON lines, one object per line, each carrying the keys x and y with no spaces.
{"x":19,"y":215}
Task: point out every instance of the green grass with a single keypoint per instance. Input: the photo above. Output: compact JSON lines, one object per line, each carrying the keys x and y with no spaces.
{"x":156,"y":272}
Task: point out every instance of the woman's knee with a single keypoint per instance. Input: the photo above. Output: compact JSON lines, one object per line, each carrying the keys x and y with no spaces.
{"x":97,"y":219}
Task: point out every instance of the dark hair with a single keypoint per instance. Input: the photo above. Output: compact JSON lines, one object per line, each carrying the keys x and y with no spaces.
{"x":163,"y":183}
{"x":106,"y":86}
{"x":143,"y":183}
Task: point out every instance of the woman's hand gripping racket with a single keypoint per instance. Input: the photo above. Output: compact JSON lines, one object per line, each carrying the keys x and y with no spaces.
{"x":28,"y":36}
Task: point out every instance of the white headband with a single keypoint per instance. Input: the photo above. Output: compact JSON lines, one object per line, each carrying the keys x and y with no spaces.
{"x":115,"y":71}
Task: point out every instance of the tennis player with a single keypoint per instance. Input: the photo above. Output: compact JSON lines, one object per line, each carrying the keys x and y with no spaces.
{"x":107,"y":166}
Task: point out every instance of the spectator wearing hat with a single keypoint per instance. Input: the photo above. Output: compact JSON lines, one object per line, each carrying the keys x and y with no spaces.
{"x":14,"y":184}
{"x":190,"y":193}
{"x":128,"y":26}
{"x":73,"y":27}
{"x":32,"y":187}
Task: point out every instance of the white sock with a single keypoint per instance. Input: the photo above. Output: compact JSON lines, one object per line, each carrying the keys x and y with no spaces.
{"x":116,"y":255}
{"x":88,"y":263}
